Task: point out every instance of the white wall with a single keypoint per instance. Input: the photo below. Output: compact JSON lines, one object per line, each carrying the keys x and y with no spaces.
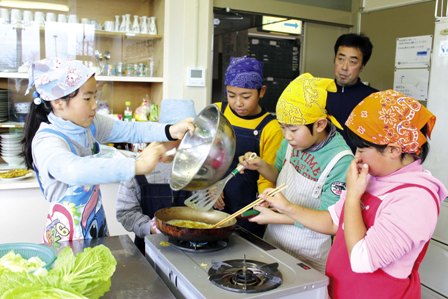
{"x":188,"y":38}
{"x":188,"y":43}
{"x":318,"y":52}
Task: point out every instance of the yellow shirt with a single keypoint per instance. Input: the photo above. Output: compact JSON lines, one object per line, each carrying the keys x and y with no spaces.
{"x":270,"y":139}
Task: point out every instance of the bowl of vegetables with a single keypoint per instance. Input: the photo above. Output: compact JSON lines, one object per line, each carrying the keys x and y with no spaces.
{"x":86,"y":274}
{"x":26,"y":256}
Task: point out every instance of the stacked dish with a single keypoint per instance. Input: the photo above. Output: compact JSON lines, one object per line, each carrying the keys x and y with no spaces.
{"x":11,"y":148}
{"x":3,"y":105}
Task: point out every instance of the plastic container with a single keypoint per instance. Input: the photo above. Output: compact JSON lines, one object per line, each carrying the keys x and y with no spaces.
{"x":29,"y":250}
{"x":127,"y":115}
{"x":143,"y":111}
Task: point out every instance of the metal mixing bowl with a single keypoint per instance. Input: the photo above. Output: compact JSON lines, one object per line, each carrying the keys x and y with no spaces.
{"x":203,"y":157}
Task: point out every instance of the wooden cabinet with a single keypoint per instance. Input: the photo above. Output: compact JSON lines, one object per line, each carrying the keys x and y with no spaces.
{"x":87,"y":40}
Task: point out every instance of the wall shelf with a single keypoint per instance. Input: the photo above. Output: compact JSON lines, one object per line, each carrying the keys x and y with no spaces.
{"x":12,"y":125}
{"x":131,"y":49}
{"x":129,"y":79}
{"x":128,"y":35}
{"x":15,"y":75}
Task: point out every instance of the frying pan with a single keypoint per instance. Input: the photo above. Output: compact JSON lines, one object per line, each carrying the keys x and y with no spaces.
{"x":193,"y":234}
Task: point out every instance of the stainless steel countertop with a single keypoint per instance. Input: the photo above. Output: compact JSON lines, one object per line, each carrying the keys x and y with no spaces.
{"x":134,"y":276}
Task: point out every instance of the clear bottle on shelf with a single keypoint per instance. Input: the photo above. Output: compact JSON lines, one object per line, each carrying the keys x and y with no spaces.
{"x":127,"y":115}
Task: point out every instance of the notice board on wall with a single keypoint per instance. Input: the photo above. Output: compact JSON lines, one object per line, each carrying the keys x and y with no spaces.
{"x":413,"y":52}
{"x":412,"y":64}
{"x":413,"y":82}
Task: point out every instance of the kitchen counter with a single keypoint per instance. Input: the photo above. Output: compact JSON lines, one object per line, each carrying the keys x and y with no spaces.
{"x":134,"y":276}
{"x":24,"y":211}
{"x":14,"y":184}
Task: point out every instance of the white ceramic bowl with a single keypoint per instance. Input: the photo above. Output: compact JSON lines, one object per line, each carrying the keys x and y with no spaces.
{"x":13,"y":160}
{"x":9,"y":152}
{"x":11,"y":137}
{"x":12,"y":146}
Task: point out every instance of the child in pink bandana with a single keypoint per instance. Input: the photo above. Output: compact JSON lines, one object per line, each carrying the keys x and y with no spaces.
{"x":61,"y":143}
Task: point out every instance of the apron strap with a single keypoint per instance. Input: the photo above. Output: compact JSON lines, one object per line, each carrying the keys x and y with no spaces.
{"x":267,"y":119}
{"x":323,"y":177}
{"x":93,"y":129}
{"x":418,"y":186}
{"x":66,"y":139}
{"x":223,"y":106}
{"x":141,"y":180}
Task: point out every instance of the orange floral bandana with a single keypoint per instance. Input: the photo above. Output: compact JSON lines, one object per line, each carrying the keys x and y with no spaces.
{"x":391,"y":117}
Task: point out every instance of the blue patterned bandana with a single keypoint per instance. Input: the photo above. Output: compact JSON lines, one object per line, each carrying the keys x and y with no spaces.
{"x":244,"y":72}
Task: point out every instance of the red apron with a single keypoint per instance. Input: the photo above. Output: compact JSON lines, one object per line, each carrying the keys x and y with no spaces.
{"x":344,"y":283}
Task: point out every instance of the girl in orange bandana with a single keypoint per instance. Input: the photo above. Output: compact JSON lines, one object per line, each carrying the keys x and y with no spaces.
{"x":388,"y":213}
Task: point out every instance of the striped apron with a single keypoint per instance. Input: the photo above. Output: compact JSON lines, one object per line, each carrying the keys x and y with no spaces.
{"x":309,"y":246}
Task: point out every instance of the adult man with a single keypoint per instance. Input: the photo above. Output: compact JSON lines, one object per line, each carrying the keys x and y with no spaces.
{"x":352,"y":52}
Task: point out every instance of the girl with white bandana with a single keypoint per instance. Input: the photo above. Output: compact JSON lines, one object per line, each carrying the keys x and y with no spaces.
{"x":61,"y":142}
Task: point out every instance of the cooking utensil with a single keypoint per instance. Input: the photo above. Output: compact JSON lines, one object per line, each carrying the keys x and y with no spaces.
{"x":193,"y":234}
{"x":214,"y":142}
{"x":249,"y":206}
{"x":204,"y":200}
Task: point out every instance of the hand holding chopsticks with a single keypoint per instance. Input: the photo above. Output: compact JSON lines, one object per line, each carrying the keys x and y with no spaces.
{"x":249,"y":206}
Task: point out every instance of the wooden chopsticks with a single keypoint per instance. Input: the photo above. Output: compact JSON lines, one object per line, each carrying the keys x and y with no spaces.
{"x":249,"y":206}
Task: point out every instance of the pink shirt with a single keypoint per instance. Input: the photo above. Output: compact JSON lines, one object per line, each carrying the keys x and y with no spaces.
{"x":404,"y":222}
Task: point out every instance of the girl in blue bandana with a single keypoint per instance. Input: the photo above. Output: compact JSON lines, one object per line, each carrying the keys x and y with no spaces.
{"x":61,"y":143}
{"x":256,"y":131}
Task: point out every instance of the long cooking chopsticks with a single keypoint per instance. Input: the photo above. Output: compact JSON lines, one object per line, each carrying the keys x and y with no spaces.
{"x":249,"y":206}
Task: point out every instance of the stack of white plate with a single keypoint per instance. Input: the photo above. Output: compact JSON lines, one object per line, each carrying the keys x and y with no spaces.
{"x":3,"y":105}
{"x":11,"y":149}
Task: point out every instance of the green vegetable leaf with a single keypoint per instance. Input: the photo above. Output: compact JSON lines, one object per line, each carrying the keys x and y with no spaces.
{"x":89,"y":273}
{"x":86,"y":275}
{"x":39,"y":292}
{"x":15,"y":262}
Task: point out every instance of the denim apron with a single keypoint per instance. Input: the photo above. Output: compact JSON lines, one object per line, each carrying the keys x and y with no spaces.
{"x":79,"y":214}
{"x":155,"y":197}
{"x":243,"y":189}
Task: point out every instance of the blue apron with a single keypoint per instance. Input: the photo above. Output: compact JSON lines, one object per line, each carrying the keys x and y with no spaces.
{"x":243,"y":188}
{"x":79,"y":214}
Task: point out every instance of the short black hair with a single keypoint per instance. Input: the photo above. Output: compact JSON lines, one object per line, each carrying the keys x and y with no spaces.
{"x":354,"y":40}
{"x":358,"y":142}
{"x":327,"y":128}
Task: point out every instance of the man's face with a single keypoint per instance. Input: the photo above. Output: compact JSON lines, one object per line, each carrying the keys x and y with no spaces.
{"x":347,"y":65}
